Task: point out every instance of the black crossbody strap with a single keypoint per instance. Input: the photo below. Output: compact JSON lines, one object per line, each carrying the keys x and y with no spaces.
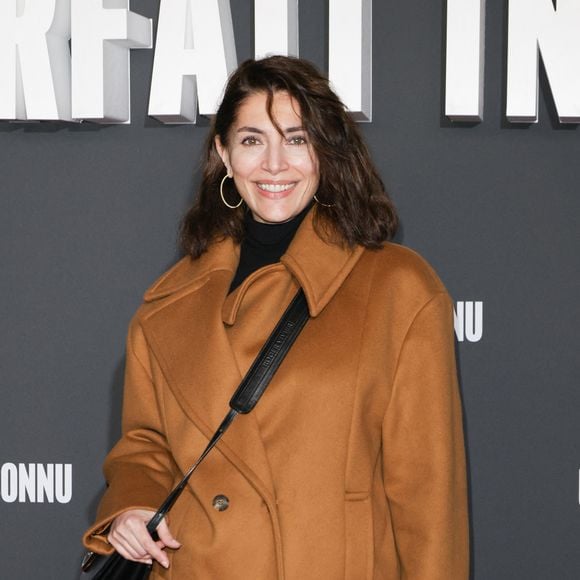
{"x":244,"y":400}
{"x":271,"y":355}
{"x":250,"y":389}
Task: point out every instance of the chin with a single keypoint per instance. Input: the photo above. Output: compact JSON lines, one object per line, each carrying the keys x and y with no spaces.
{"x":275,"y":215}
{"x":272,"y":219}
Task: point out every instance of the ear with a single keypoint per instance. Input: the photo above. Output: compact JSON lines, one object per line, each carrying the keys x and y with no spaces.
{"x":223,"y":153}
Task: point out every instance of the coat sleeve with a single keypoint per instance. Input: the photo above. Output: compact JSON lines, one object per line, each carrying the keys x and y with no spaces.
{"x":139,"y":470}
{"x":423,"y":451}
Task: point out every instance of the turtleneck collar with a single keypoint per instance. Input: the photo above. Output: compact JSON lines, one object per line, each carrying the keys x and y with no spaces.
{"x":269,"y":234}
{"x":264,"y":244}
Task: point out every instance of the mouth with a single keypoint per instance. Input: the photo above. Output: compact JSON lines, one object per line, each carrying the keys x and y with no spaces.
{"x":276,"y":187}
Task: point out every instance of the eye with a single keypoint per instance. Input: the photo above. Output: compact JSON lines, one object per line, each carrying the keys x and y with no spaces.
{"x":250,"y":140}
{"x":297,"y":140}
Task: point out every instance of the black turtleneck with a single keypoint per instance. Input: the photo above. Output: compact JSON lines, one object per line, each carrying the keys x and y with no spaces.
{"x":264,"y":244}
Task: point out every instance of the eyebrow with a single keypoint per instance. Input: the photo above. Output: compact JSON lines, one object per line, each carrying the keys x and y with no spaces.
{"x":260,"y":132}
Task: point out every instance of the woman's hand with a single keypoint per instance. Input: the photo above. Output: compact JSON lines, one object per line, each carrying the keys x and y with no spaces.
{"x":129,"y":536}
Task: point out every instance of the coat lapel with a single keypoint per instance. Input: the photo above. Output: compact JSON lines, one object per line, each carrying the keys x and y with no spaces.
{"x":319,"y":266}
{"x":184,"y":325}
{"x":190,"y":343}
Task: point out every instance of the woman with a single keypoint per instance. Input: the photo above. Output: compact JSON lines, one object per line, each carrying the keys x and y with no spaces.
{"x":352,"y":464}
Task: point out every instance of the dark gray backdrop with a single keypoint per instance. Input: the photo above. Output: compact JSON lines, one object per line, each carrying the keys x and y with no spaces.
{"x":88,"y":219}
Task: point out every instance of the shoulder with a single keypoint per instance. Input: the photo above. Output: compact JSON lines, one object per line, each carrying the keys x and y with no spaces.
{"x":181,"y":278}
{"x":189,"y":276}
{"x":402,"y":283}
{"x":188,"y":273}
{"x":176,"y":277}
{"x":405,"y":267}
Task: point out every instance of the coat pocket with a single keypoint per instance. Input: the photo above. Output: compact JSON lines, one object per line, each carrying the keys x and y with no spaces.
{"x":359,"y":536}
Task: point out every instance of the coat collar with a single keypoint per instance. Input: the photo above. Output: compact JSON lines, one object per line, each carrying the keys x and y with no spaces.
{"x":183,"y":322}
{"x":319,"y":268}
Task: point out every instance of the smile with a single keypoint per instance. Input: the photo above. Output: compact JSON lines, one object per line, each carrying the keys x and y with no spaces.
{"x":276,"y":187}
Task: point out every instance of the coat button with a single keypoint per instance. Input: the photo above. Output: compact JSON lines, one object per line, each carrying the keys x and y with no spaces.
{"x":221,"y":503}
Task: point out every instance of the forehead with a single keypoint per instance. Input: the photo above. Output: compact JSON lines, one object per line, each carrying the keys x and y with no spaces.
{"x":253,"y":111}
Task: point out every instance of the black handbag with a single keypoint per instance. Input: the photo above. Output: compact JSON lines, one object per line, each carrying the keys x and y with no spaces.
{"x":248,"y":393}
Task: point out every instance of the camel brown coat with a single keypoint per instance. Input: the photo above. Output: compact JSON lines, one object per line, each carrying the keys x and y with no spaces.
{"x":352,"y":465}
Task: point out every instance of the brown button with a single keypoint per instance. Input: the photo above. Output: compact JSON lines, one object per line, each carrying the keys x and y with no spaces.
{"x":221,"y":503}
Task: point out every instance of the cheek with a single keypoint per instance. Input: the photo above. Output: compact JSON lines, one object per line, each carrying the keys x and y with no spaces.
{"x":305,"y":164}
{"x":310,"y":164}
{"x":311,"y":170}
{"x":244,"y":162}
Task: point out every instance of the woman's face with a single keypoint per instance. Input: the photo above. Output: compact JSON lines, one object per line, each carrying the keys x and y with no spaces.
{"x":276,"y":175}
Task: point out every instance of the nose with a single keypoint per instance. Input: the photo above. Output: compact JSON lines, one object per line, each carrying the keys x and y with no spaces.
{"x":275,"y":159}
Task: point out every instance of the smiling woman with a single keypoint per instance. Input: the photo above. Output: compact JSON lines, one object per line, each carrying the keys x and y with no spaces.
{"x":270,"y":159}
{"x":266,"y":103}
{"x":351,"y":466}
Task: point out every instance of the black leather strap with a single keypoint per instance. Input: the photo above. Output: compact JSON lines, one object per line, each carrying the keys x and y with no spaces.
{"x":244,"y":400}
{"x":250,"y":389}
{"x":271,"y":355}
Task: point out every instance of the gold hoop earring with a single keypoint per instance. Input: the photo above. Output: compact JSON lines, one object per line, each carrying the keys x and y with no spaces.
{"x":323,"y":204}
{"x":224,"y":199}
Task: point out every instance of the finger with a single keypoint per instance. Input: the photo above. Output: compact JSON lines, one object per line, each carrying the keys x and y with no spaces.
{"x":166,"y":536}
{"x":129,"y":535}
{"x":128,"y":552}
{"x":147,"y":546}
{"x":155,"y":551}
{"x":139,"y":548}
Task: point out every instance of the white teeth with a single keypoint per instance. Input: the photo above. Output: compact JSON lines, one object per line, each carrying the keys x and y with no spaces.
{"x":275,"y":188}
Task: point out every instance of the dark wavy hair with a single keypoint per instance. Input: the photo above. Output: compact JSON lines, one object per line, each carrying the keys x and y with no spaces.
{"x":354,"y":207}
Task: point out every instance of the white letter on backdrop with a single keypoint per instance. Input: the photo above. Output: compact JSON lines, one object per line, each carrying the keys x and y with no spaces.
{"x":63,"y":482}
{"x":103,"y":32}
{"x":350,"y":54}
{"x":194,"y":54}
{"x":35,"y":60}
{"x":9,"y":482}
{"x":275,"y":27}
{"x":465,"y":60}
{"x":535,"y":26}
